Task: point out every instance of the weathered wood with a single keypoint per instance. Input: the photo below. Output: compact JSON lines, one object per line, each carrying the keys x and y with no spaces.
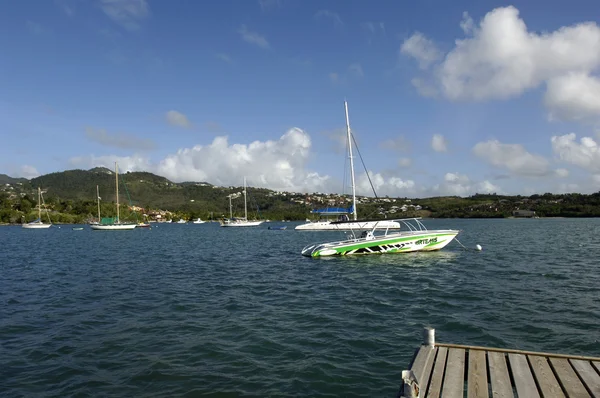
{"x":454,"y":380}
{"x":499,"y":378}
{"x":422,"y":365}
{"x":512,"y":351}
{"x":524,"y":382}
{"x":477,"y":385}
{"x":435,"y":382}
{"x":568,"y":378}
{"x":589,"y":376}
{"x":545,"y":377}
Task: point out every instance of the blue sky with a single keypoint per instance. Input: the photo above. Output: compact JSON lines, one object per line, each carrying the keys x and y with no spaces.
{"x":444,"y":97}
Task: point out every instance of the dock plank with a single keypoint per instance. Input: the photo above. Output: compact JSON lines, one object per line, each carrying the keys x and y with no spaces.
{"x":499,"y":378}
{"x":435,"y":382}
{"x":589,"y":376}
{"x":477,"y":384}
{"x":524,"y":382}
{"x":568,"y":378}
{"x":422,"y":365}
{"x":454,"y":379}
{"x":547,"y":382}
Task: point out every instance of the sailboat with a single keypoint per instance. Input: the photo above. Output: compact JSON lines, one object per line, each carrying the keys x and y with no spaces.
{"x":413,"y":236}
{"x":343,"y":222}
{"x":239,"y":221}
{"x":112,"y":224}
{"x":38,"y":224}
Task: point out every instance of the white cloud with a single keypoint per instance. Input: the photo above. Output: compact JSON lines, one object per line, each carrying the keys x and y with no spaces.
{"x":373,"y":27}
{"x":574,"y":96}
{"x":127,"y":13}
{"x":399,"y":143}
{"x":224,"y":57}
{"x":268,"y":4}
{"x":439,"y":143}
{"x":501,"y":58}
{"x":384,"y":185}
{"x":27,"y":171}
{"x":253,"y":38}
{"x":467,"y":25}
{"x":585,"y":154}
{"x":122,"y":141}
{"x":562,"y":173}
{"x":337,"y":21}
{"x":279,"y":164}
{"x":175,"y":118}
{"x":422,"y":49}
{"x":353,"y":71}
{"x":404,"y":162}
{"x":513,"y":157}
{"x":456,"y":184}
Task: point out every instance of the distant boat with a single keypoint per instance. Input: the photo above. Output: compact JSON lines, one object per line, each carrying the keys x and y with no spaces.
{"x":198,"y":221}
{"x":110,"y":224}
{"x":239,"y":221}
{"x":77,"y":228}
{"x":279,"y":228}
{"x":38,"y":224}
{"x":181,"y":221}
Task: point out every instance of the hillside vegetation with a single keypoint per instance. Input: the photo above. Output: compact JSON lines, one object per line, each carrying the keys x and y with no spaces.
{"x":71,"y":197}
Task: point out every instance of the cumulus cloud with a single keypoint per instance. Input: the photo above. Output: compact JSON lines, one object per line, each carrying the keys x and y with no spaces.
{"x":456,"y":184}
{"x":122,"y":141}
{"x":501,"y":58}
{"x":253,"y":38}
{"x":27,"y":171}
{"x":422,"y":49}
{"x":178,"y":119}
{"x":391,"y":185}
{"x":439,"y":143}
{"x":404,"y":162}
{"x":513,"y":157}
{"x":574,"y":96}
{"x":585,"y":153}
{"x":335,"y":17}
{"x":127,"y":13}
{"x":276,"y":164}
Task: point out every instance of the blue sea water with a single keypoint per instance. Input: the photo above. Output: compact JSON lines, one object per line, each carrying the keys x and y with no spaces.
{"x":188,"y":310}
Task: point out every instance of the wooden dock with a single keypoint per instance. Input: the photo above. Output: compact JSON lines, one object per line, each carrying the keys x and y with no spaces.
{"x":453,"y":371}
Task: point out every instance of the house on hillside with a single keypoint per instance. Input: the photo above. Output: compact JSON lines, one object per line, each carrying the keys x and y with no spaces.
{"x":523,"y":213}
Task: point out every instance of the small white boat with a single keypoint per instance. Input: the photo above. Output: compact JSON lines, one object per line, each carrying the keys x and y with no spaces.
{"x":198,"y":221}
{"x":38,"y":224}
{"x":181,"y":221}
{"x":416,"y":237}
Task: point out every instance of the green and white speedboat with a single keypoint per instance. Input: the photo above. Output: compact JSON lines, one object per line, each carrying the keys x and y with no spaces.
{"x":413,"y":236}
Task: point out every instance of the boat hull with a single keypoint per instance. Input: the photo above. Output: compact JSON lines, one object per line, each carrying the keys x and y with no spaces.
{"x":399,"y":242}
{"x":347,"y":226}
{"x":36,"y":226}
{"x":242,"y":224}
{"x":113,"y":227}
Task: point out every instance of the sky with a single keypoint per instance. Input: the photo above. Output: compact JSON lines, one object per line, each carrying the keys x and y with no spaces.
{"x":445,"y":98}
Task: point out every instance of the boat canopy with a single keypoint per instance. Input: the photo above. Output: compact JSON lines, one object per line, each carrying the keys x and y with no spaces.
{"x":108,"y":220}
{"x":333,"y":211}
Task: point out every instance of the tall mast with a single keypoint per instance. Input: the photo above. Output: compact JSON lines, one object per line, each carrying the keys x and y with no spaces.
{"x":230,"y":207}
{"x":351,"y":161}
{"x":98,"y":200}
{"x":245,"y":203}
{"x":117,"y":184}
{"x":40,"y":204}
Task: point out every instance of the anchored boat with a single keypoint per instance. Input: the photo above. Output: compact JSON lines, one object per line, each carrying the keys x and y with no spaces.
{"x":413,"y":236}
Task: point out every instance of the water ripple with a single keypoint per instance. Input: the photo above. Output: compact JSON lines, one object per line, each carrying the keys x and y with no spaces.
{"x":186,"y":310}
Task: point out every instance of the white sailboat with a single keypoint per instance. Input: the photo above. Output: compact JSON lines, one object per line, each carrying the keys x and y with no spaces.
{"x":38,"y":224}
{"x":369,"y":237}
{"x":239,"y":221}
{"x":116,"y":224}
{"x":343,"y":222}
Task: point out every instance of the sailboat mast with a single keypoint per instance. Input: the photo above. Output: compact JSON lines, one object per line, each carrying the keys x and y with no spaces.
{"x":117,"y":185}
{"x":40,"y":204}
{"x":245,"y":202}
{"x":351,"y":162}
{"x":230,"y":208}
{"x":98,"y":200}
